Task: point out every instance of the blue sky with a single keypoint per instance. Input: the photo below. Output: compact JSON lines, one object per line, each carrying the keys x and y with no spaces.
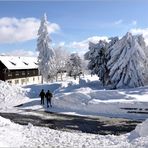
{"x":73,"y":23}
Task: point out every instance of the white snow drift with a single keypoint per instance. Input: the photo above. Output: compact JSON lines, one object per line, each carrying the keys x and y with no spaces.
{"x":11,"y":96}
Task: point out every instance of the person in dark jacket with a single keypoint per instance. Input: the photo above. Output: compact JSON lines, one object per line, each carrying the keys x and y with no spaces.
{"x":48,"y":98}
{"x":42,"y":95}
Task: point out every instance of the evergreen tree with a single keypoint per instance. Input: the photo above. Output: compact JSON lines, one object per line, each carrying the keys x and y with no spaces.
{"x":127,"y":63}
{"x":113,"y":40}
{"x":46,"y":53}
{"x":109,"y":46}
{"x":121,"y":63}
{"x":97,"y":59}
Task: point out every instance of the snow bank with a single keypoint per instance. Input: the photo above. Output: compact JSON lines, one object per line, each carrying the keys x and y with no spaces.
{"x":11,"y":95}
{"x":89,"y":97}
{"x":4,"y":122}
{"x":100,"y":102}
{"x":9,"y":134}
{"x":141,"y":130}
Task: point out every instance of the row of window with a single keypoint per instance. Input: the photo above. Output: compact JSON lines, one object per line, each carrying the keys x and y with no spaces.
{"x":22,"y":81}
{"x":23,"y":73}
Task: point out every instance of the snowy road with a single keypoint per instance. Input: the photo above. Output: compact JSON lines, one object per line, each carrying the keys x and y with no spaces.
{"x":95,"y":125}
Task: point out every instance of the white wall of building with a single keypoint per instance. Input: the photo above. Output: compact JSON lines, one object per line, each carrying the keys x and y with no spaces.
{"x":26,"y":81}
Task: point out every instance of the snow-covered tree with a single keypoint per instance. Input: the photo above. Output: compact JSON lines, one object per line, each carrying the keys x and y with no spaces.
{"x":61,"y":57}
{"x":142,"y":43}
{"x":74,"y":65}
{"x":90,"y":57}
{"x":127,"y":62}
{"x":46,"y":57}
{"x":97,"y":59}
{"x":121,"y":63}
{"x":113,"y":40}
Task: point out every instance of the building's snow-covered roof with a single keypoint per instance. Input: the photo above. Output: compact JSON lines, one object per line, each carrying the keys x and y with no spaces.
{"x":16,"y":62}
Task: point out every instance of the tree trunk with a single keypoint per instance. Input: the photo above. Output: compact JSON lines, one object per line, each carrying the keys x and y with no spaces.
{"x":74,"y":77}
{"x":61,"y":76}
{"x":79,"y":77}
{"x":42,"y":79}
{"x":56,"y":77}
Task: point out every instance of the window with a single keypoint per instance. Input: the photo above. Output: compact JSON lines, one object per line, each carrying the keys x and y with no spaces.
{"x":16,"y":73}
{"x":9,"y":74}
{"x":12,"y":63}
{"x":22,"y":81}
{"x":34,"y":72}
{"x":10,"y":82}
{"x":23,"y":73}
{"x":16,"y":81}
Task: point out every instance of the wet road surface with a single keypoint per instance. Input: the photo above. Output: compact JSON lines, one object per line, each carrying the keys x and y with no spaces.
{"x":72,"y":123}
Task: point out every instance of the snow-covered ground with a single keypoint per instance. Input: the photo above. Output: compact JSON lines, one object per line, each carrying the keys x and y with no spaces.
{"x":14,"y":135}
{"x":86,"y":97}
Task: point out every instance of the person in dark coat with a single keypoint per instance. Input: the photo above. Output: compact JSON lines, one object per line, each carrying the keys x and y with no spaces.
{"x":42,"y":95}
{"x":48,"y":98}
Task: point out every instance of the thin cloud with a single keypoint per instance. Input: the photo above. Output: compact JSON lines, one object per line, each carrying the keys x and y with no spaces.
{"x":144,"y":32}
{"x":18,"y":30}
{"x":21,"y":52}
{"x":124,"y":23}
{"x":118,"y":22}
{"x":134,"y":22}
{"x":61,"y":44}
{"x":82,"y":46}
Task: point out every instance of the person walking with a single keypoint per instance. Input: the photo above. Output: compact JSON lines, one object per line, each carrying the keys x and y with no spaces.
{"x":48,"y":98}
{"x":42,"y":95}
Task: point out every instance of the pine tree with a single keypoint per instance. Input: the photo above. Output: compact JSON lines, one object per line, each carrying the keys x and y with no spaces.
{"x":120,"y":63}
{"x":113,"y":40}
{"x":141,"y":42}
{"x":109,"y":46}
{"x":97,"y":59}
{"x":127,"y":63}
{"x":46,"y":53}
